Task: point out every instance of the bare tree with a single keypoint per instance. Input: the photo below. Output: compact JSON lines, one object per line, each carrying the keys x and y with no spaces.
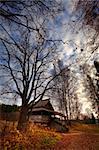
{"x":60,"y":86}
{"x":90,"y":12}
{"x":26,"y":51}
{"x":87,"y":16}
{"x":96,"y":64}
{"x":26,"y":70}
{"x":91,"y":88}
{"x":74,"y":104}
{"x":23,"y":12}
{"x":64,"y":91}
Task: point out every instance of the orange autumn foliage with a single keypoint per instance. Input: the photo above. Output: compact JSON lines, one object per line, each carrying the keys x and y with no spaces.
{"x":33,"y":138}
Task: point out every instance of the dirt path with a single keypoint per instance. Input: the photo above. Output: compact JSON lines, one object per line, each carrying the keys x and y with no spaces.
{"x":79,"y":141}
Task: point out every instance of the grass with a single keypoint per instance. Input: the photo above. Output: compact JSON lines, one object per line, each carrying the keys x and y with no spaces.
{"x":86,"y":128}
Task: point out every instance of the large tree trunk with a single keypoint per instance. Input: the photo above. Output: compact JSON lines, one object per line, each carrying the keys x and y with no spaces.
{"x":22,"y":122}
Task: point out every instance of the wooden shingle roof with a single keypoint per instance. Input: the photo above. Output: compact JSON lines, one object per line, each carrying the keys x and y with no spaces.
{"x":43,"y":104}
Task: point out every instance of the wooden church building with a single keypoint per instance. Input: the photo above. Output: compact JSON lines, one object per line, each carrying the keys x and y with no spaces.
{"x":43,"y":113}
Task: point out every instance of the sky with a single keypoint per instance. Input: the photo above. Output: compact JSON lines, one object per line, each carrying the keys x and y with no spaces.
{"x":74,"y":41}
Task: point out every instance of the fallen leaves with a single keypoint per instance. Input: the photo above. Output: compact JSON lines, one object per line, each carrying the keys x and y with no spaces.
{"x":41,"y":138}
{"x":79,"y":141}
{"x":34,"y":138}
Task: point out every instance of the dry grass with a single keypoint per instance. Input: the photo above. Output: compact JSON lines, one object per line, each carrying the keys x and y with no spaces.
{"x":40,"y":138}
{"x":86,"y":128}
{"x":34,"y":138}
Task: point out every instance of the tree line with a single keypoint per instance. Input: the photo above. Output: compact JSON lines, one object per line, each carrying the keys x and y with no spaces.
{"x":8,"y":108}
